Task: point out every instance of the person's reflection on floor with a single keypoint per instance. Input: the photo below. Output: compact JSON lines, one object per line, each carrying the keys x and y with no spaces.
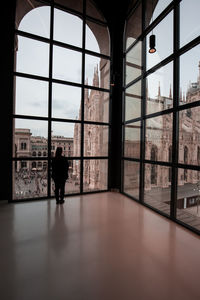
{"x":58,"y":233}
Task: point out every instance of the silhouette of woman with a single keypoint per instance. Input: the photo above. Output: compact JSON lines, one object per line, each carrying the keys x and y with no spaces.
{"x":60,"y":168}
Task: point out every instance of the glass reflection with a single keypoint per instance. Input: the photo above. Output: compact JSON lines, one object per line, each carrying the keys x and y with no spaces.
{"x":131,"y":178}
{"x":133,"y":101}
{"x":132,"y":140}
{"x":158,"y":138}
{"x":157,"y":190}
{"x":133,"y":63}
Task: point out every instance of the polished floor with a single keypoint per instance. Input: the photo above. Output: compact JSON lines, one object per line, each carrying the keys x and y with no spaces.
{"x":95,"y":247}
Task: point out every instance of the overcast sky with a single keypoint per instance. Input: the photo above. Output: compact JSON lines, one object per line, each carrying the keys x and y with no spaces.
{"x":33,"y":58}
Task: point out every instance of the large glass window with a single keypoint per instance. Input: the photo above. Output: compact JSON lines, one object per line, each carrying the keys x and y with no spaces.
{"x":161,"y":109}
{"x":61,"y":96}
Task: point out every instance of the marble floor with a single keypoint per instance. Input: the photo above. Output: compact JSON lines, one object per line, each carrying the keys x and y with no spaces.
{"x":95,"y":247}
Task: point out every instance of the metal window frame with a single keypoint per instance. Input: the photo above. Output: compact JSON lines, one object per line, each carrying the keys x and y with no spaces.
{"x":173,"y":57}
{"x":49,"y":119}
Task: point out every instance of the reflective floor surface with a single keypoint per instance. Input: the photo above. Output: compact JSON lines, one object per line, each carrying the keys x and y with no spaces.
{"x":95,"y":247}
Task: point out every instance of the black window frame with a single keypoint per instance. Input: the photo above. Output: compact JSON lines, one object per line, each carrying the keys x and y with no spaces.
{"x":174,"y":57}
{"x":49,"y":119}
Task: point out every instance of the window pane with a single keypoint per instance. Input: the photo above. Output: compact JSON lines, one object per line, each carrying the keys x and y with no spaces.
{"x":97,"y":71}
{"x":36,"y":21}
{"x":160,"y":89}
{"x":95,"y":174}
{"x":133,"y":101}
{"x":133,"y":63}
{"x":189,"y":136}
{"x":96,"y":106}
{"x":154,"y":9}
{"x":190,"y":76}
{"x":158,"y":138}
{"x":72,"y":185}
{"x":95,"y":140}
{"x":75,"y":4}
{"x":189,"y":10}
{"x":67,"y":136}
{"x":30,"y":138}
{"x":164,"y":41}
{"x":67,"y":28}
{"x":66,"y":101}
{"x":67,"y":64}
{"x":132,"y":140}
{"x":31,"y":97}
{"x":134,"y":26}
{"x":188,"y":198}
{"x":32,"y":57}
{"x":92,"y":11}
{"x":157,"y":191}
{"x":29,"y":179}
{"x":97,"y":38}
{"x":131,"y":178}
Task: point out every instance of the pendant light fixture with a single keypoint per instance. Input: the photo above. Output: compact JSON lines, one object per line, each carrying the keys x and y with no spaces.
{"x":152,"y":38}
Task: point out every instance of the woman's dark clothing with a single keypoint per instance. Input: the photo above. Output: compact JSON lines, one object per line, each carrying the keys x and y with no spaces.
{"x":60,"y":168}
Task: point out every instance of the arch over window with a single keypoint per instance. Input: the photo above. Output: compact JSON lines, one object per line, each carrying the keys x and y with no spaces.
{"x":62,"y":72}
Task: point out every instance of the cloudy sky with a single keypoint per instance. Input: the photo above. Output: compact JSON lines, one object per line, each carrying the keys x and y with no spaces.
{"x":33,"y":58}
{"x":189,"y":29}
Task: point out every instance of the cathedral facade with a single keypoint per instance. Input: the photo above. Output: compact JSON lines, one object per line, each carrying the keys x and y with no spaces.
{"x":158,"y":142}
{"x":95,"y":136}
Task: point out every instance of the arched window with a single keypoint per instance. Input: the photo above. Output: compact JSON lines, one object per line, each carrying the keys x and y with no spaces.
{"x":23,"y":146}
{"x":154,"y":152}
{"x":33,"y":165}
{"x":62,"y":54}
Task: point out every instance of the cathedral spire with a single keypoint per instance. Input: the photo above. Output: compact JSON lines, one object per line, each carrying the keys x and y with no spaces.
{"x":159,"y":93}
{"x":199,"y":74}
{"x":170,"y":92}
{"x":86,"y":90}
{"x":180,"y":95}
{"x":96,"y":77}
